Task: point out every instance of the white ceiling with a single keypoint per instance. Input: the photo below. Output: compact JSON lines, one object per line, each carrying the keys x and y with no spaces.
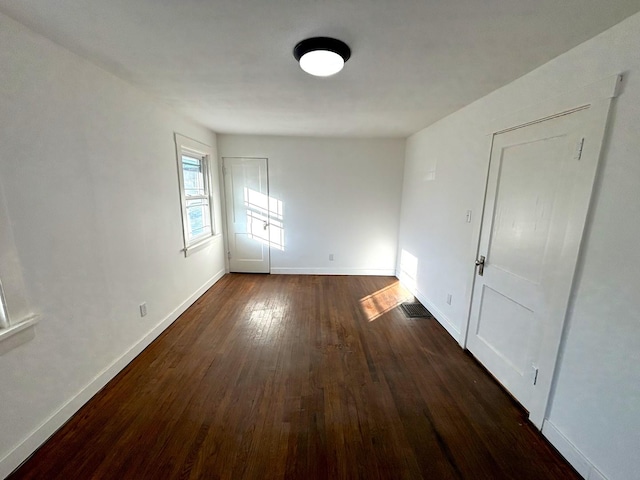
{"x":228,"y":63}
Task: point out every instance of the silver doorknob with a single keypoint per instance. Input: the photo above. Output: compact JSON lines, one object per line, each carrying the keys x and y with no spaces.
{"x":480,"y":265}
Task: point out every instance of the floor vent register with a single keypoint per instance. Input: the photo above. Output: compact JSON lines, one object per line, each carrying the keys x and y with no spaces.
{"x":415,"y":310}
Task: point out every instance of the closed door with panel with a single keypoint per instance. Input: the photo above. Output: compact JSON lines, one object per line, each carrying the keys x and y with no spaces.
{"x":247,"y":200}
{"x":539,"y":186}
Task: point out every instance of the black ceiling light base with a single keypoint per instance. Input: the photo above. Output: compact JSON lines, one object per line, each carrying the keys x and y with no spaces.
{"x":322,"y":43}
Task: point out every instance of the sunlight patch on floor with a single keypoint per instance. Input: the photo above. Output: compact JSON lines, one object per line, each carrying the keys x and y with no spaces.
{"x":384,"y":300}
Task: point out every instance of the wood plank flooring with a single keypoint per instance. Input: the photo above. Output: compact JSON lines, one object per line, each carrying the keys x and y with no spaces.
{"x":300,"y":377}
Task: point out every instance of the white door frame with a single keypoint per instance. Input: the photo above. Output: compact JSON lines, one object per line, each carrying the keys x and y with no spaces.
{"x":597,"y":98}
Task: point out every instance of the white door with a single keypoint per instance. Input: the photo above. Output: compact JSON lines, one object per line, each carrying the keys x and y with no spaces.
{"x":247,"y":199}
{"x":540,"y":181}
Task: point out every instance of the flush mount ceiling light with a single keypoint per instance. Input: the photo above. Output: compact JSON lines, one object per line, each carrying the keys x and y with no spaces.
{"x":322,"y":56}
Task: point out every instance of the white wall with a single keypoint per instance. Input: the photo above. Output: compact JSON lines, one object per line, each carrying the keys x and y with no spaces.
{"x":340,"y":196}
{"x":88,"y":170}
{"x":595,"y":414}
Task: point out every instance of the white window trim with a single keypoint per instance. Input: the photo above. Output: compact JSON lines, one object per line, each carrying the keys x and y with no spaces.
{"x":8,"y":329}
{"x":4,"y":313}
{"x":189,"y":146}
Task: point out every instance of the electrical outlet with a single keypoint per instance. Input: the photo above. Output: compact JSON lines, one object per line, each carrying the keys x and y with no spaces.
{"x":331,"y":257}
{"x":448,"y":299}
{"x":143,"y":309}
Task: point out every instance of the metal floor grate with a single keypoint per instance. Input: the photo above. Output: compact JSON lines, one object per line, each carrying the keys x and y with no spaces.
{"x":415,"y":310}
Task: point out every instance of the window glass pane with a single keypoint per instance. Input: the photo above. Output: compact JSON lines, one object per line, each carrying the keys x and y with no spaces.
{"x":198,"y":218}
{"x":192,"y":171}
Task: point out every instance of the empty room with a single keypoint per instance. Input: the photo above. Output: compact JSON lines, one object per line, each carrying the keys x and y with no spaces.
{"x":319,"y":239}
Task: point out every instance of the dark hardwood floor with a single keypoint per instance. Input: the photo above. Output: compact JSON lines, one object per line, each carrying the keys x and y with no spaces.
{"x":300,"y":377}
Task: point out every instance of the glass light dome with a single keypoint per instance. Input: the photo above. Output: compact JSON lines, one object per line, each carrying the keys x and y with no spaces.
{"x":321,"y":63}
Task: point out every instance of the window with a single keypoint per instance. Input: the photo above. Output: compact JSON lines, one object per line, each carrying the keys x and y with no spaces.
{"x":196,"y":191}
{"x":194,"y":160}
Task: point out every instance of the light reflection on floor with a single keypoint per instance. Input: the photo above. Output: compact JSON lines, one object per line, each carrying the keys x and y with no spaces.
{"x":384,"y":300}
{"x":265,"y":320}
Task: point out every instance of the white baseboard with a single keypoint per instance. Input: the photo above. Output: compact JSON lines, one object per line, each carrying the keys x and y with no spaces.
{"x":570,"y":452}
{"x":40,"y":435}
{"x":448,"y":325}
{"x":390,"y":272}
{"x":442,"y":319}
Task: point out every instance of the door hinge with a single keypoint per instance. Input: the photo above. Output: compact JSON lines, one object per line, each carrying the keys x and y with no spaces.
{"x":579,"y":147}
{"x":224,"y":170}
{"x":229,"y":255}
{"x":534,"y":374}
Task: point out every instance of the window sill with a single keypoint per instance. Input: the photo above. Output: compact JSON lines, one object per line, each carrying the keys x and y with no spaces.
{"x":9,"y":337}
{"x":200,"y":244}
